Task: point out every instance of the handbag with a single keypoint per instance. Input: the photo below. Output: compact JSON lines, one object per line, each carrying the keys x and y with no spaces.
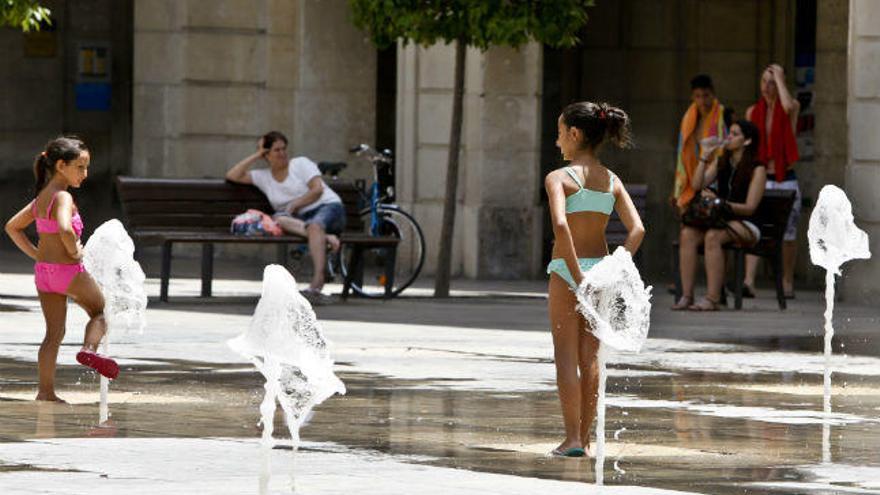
{"x":254,"y":223}
{"x":704,"y":213}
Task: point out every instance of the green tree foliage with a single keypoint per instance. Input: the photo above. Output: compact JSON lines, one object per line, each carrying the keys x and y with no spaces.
{"x":477,"y":23}
{"x":23,"y":14}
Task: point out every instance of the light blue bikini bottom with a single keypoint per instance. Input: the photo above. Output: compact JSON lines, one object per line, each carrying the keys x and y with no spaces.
{"x":559,"y":267}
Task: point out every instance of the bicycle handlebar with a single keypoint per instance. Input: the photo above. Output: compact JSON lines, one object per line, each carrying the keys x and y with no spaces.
{"x":372,"y":155}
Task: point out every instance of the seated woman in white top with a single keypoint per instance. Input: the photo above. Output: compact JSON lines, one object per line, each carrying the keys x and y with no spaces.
{"x":304,"y":205}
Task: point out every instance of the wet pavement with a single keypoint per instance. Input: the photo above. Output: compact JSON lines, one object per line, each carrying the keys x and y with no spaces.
{"x":453,"y":396}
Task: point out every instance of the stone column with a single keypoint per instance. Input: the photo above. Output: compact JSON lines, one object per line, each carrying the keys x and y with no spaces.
{"x":829,"y":162}
{"x":497,"y":233}
{"x":424,"y":113}
{"x":863,"y":164}
{"x":334,"y":103}
{"x":502,"y":212}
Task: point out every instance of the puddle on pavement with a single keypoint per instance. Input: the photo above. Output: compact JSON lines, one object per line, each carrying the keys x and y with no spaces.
{"x":10,"y":308}
{"x":861,"y":345}
{"x":659,"y":444}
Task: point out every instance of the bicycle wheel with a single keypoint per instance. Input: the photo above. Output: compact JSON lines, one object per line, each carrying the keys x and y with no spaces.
{"x":410,"y":254}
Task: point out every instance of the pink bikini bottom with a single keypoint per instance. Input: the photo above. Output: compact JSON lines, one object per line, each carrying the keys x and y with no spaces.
{"x":55,"y":277}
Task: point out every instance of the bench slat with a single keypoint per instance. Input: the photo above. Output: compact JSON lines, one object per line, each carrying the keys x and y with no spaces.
{"x":136,"y":188}
{"x":149,"y":207}
{"x":218,"y":237}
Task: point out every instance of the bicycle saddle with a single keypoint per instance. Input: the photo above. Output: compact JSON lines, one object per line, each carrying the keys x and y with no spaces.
{"x":331,"y":168}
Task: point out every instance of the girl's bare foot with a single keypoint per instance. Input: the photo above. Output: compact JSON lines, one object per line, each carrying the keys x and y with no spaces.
{"x":50,"y":398}
{"x":333,"y":242}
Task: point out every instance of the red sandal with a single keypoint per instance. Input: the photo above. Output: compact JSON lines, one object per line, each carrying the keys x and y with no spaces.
{"x":102,"y":364}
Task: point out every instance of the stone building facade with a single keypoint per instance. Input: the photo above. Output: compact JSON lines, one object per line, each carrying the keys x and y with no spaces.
{"x":863,"y":145}
{"x":195,"y":82}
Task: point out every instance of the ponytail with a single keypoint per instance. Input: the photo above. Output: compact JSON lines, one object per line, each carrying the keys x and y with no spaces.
{"x":42,"y":172}
{"x":65,"y":148}
{"x":617,"y":129}
{"x":599,"y":122}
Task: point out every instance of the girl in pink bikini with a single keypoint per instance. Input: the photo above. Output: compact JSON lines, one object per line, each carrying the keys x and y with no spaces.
{"x":59,"y":272}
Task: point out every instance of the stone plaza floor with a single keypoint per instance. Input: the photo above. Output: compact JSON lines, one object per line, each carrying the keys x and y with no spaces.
{"x":451,"y":396}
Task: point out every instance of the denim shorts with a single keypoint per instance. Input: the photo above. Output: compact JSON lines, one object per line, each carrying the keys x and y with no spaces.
{"x":330,"y":216}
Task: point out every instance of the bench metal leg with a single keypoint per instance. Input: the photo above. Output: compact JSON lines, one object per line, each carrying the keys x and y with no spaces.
{"x":355,"y":270}
{"x":676,"y":272}
{"x":207,"y":268}
{"x":739,"y":261}
{"x":390,"y":268}
{"x":165,"y":275}
{"x":283,"y":254}
{"x":777,"y":274}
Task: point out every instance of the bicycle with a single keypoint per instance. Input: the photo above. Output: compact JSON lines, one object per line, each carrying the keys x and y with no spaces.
{"x":382,"y":217}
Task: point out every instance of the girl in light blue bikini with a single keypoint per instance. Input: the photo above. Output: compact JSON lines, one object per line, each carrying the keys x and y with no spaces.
{"x":581,"y":198}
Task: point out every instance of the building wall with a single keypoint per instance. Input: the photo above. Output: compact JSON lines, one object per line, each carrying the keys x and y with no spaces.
{"x":638,"y":54}
{"x":641,"y":55}
{"x":38,"y":74}
{"x":863,"y":164}
{"x":211,"y":76}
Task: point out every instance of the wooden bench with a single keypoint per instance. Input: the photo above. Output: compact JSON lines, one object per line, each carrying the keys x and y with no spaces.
{"x":200,"y":211}
{"x":771,"y":217}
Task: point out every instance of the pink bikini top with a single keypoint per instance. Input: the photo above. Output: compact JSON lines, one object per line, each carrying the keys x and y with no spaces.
{"x":49,"y":226}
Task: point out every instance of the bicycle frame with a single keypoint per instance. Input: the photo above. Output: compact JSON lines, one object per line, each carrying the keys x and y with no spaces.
{"x":385,"y":219}
{"x":374,"y":195}
{"x":374,"y":207}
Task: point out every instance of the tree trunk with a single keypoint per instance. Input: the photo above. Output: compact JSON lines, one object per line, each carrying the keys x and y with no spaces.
{"x":444,"y":257}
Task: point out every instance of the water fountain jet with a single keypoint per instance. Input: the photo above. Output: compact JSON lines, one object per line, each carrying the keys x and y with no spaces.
{"x":616,"y":305}
{"x":834,"y":239}
{"x":108,"y":256}
{"x":286,"y":345}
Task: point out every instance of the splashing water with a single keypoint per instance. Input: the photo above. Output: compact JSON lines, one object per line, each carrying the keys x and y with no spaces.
{"x":109,"y":259}
{"x":617,"y":306}
{"x":108,"y":256}
{"x":833,"y":235}
{"x":834,"y":239}
{"x":286,"y":345}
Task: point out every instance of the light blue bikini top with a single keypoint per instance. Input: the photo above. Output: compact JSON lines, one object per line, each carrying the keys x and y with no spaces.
{"x":588,"y":199}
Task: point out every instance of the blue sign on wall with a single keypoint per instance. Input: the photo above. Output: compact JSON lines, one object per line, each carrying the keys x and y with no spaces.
{"x":92,"y":96}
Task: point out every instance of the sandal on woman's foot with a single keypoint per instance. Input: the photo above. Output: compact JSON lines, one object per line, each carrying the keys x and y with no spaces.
{"x":683,"y":303}
{"x":573,"y":452}
{"x":705,"y":304}
{"x":102,"y":364}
